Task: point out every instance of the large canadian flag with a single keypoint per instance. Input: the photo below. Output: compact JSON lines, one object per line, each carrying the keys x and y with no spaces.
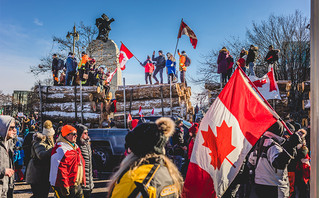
{"x":186,"y":30}
{"x":232,"y":125}
{"x":267,"y":85}
{"x":125,"y":55}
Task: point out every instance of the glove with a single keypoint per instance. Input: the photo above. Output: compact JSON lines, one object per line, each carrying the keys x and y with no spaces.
{"x":65,"y":191}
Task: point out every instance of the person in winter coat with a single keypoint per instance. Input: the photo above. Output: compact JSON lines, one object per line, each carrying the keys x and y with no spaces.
{"x":171,"y":67}
{"x":149,"y":68}
{"x":146,"y":170}
{"x":160,"y":65}
{"x":223,"y":64}
{"x":251,"y":59}
{"x":67,"y":165}
{"x":91,"y":68}
{"x":271,"y":174}
{"x":83,"y":141}
{"x":179,"y":144}
{"x":27,"y":144}
{"x":230,"y":62}
{"x":182,"y":66}
{"x":7,"y":134}
{"x":82,"y":68}
{"x":70,"y":65}
{"x":272,"y":59}
{"x":241,"y":62}
{"x":39,"y":166}
{"x":55,"y":69}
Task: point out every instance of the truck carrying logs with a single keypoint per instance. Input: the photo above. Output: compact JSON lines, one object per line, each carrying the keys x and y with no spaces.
{"x":164,"y":100}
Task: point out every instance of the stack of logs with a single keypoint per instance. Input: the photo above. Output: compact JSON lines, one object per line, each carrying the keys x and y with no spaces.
{"x":62,"y":103}
{"x":156,"y":97}
{"x":304,"y":90}
{"x":281,"y":106}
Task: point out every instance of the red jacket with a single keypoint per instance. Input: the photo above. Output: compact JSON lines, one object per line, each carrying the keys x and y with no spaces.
{"x":67,"y":165}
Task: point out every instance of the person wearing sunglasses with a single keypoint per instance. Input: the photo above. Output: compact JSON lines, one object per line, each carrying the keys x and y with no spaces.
{"x":7,"y":133}
{"x":67,"y":165}
{"x":83,"y":141}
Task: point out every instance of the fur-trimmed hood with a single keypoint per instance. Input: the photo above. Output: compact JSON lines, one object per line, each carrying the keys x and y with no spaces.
{"x":223,"y":50}
{"x":39,"y":137}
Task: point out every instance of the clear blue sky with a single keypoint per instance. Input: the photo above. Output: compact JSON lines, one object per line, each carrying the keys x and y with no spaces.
{"x":27,"y":27}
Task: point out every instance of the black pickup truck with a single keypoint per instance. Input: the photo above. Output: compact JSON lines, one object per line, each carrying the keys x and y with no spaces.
{"x":108,"y":147}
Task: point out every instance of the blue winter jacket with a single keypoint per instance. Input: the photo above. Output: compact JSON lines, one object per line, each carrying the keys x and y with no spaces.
{"x":70,"y":64}
{"x":171,"y":67}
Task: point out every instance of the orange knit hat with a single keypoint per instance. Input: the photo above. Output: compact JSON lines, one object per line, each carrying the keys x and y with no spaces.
{"x":66,"y":129}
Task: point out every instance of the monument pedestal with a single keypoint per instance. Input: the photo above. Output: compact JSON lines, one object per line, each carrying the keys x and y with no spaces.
{"x":106,"y":54}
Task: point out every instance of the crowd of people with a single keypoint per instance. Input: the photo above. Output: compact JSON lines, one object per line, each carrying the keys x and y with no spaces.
{"x":156,"y":65}
{"x":88,"y":73}
{"x":246,"y":61}
{"x":157,"y":156}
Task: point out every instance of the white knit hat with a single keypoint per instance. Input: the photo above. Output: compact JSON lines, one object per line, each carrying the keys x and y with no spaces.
{"x":48,"y":128}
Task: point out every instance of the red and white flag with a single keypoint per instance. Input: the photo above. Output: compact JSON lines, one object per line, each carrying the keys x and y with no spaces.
{"x":267,"y":85}
{"x":125,"y":55}
{"x":109,"y":79}
{"x":232,"y":125}
{"x":129,"y":118}
{"x":140,"y":111}
{"x":152,"y":113}
{"x":185,"y":30}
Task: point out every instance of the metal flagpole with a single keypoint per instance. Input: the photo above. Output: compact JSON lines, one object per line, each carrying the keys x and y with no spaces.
{"x":124,"y":103}
{"x":314,"y":94}
{"x":177,"y":38}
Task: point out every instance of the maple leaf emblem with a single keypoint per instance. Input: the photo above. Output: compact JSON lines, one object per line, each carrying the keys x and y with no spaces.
{"x":219,"y":146}
{"x":260,"y":83}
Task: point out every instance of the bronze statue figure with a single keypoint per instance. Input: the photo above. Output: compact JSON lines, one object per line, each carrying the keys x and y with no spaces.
{"x":103,"y":24}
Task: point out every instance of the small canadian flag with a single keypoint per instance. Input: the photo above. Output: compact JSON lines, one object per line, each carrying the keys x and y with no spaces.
{"x":140,"y":111}
{"x":129,"y":117}
{"x":109,"y":79}
{"x":125,"y":55}
{"x":152,"y":112}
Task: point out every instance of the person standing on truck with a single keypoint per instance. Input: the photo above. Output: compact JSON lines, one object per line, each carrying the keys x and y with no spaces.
{"x":55,"y":69}
{"x":67,"y":165}
{"x":160,"y":65}
{"x":146,"y":170}
{"x":83,"y":141}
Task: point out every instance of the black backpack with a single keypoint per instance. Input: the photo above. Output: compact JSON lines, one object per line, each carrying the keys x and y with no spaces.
{"x":60,"y":64}
{"x":188,"y":61}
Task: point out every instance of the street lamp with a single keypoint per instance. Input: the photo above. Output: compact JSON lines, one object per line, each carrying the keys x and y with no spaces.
{"x":75,"y":35}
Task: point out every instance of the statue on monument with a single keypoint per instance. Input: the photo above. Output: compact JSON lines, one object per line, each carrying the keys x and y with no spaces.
{"x":103,"y":24}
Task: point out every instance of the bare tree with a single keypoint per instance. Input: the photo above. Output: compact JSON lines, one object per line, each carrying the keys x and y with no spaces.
{"x":86,"y":36}
{"x":290,"y":35}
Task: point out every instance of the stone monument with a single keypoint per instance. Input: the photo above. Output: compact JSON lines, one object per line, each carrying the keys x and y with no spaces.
{"x":106,"y":52}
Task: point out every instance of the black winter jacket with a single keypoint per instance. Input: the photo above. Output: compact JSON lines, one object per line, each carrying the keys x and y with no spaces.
{"x":86,"y":151}
{"x":160,"y":61}
{"x":252,"y":55}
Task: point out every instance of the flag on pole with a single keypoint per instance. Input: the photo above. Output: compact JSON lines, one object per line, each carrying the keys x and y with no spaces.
{"x":125,"y":55}
{"x":152,"y":112}
{"x":140,"y":111}
{"x":109,"y":79}
{"x":185,"y":30}
{"x":232,"y":125}
{"x":267,"y":85}
{"x":129,"y":118}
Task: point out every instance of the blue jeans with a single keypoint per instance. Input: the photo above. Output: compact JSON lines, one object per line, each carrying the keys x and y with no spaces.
{"x":160,"y":70}
{"x":251,"y":68}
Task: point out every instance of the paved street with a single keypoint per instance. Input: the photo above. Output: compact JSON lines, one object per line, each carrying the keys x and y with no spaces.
{"x":23,"y":190}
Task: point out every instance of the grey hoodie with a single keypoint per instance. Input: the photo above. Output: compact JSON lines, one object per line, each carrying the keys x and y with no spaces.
{"x":6,"y":155}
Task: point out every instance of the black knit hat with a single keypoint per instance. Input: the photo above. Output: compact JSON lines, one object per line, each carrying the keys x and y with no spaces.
{"x":150,"y":137}
{"x":277,"y":128}
{"x":80,"y":128}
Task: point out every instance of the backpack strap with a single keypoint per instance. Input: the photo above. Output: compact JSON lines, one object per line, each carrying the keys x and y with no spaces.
{"x":142,"y":187}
